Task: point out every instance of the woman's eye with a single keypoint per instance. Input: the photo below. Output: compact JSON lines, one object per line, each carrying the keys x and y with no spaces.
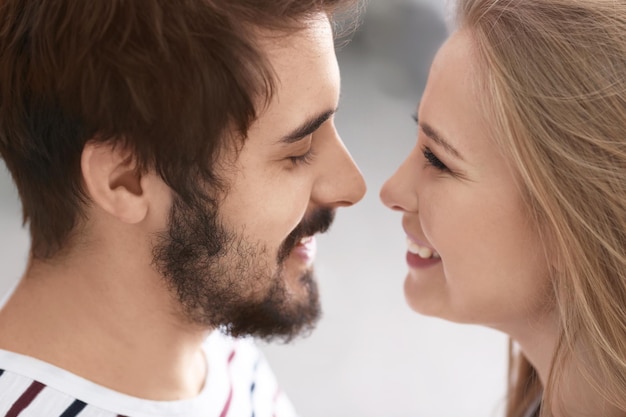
{"x":305,"y":158}
{"x":432,"y":160}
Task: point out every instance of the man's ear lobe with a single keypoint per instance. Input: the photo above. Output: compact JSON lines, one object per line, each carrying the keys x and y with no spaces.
{"x":112,"y":181}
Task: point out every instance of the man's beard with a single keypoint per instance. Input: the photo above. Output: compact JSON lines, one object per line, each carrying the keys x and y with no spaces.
{"x":220,"y":279}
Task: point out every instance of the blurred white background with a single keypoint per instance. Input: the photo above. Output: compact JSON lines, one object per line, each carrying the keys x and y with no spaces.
{"x":370,"y":355}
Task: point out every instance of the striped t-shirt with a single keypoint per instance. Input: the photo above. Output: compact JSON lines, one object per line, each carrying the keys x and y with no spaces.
{"x":239,"y":384}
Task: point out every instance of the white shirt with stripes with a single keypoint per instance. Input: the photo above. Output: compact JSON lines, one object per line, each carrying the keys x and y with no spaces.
{"x":239,"y":384}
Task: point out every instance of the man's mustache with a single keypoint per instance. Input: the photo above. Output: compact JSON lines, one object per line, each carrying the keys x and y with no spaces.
{"x":318,"y":221}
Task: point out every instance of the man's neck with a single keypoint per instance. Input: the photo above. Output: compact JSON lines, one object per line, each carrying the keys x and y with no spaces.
{"x":113,"y":326}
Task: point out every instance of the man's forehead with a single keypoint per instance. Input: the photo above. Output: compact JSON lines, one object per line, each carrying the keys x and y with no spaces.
{"x":306,"y":83}
{"x":315,"y":31}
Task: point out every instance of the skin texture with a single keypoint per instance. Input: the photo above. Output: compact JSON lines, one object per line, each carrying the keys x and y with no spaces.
{"x":107,"y":300}
{"x":469,"y":209}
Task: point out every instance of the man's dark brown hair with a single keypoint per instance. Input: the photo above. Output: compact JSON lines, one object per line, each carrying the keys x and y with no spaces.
{"x":166,"y":79}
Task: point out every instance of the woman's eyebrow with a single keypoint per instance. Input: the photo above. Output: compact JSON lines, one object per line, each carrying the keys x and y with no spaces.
{"x":438,"y":139}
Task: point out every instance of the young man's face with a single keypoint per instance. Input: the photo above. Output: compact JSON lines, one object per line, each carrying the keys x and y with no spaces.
{"x":249,"y":266}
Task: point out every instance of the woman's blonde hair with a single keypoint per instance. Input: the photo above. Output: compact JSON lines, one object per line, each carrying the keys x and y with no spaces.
{"x":553,"y":79}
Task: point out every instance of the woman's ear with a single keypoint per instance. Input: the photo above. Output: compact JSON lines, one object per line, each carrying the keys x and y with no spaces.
{"x":113,"y":182}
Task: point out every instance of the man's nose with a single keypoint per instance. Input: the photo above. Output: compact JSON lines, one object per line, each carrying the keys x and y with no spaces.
{"x":341,"y":183}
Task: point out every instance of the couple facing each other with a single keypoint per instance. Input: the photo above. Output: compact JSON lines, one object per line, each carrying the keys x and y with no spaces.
{"x":175,"y":159}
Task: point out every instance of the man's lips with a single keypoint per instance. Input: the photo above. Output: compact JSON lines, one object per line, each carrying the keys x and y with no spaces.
{"x":306,"y":249}
{"x":306,"y":241}
{"x":318,"y":221}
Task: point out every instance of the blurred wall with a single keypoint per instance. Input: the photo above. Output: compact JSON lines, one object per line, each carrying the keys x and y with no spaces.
{"x":370,"y":356}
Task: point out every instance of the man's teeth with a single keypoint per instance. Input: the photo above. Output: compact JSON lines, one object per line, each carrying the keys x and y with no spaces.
{"x":306,"y":240}
{"x":421,"y":251}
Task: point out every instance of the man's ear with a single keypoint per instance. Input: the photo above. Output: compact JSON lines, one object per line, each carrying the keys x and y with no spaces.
{"x":112,"y":181}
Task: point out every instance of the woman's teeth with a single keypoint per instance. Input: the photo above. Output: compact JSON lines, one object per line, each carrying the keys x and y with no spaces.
{"x":421,"y":251}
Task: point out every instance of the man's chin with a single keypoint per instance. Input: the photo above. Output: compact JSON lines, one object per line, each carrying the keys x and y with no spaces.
{"x":300,"y":286}
{"x":290,"y":309}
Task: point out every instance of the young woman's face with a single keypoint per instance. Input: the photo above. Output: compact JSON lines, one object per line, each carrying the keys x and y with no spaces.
{"x":473,"y":254}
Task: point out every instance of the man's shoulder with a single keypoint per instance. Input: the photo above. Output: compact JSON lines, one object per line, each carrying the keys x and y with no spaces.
{"x":25,"y":396}
{"x":239,"y":383}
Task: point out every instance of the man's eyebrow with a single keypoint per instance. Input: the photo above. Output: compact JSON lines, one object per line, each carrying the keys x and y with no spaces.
{"x":438,"y":139}
{"x":308,"y":127}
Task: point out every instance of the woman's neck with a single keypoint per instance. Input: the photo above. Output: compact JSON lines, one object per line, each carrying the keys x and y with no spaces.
{"x":573,"y":395}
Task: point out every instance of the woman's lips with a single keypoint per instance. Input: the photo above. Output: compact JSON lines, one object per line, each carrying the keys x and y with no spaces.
{"x":420,"y":249}
{"x":419,"y":255}
{"x":417,"y":262}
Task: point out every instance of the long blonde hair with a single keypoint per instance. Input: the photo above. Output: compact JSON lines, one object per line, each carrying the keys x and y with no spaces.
{"x":553,"y":78}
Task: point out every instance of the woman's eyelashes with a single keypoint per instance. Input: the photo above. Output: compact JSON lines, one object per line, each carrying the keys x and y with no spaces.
{"x":433,"y":160}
